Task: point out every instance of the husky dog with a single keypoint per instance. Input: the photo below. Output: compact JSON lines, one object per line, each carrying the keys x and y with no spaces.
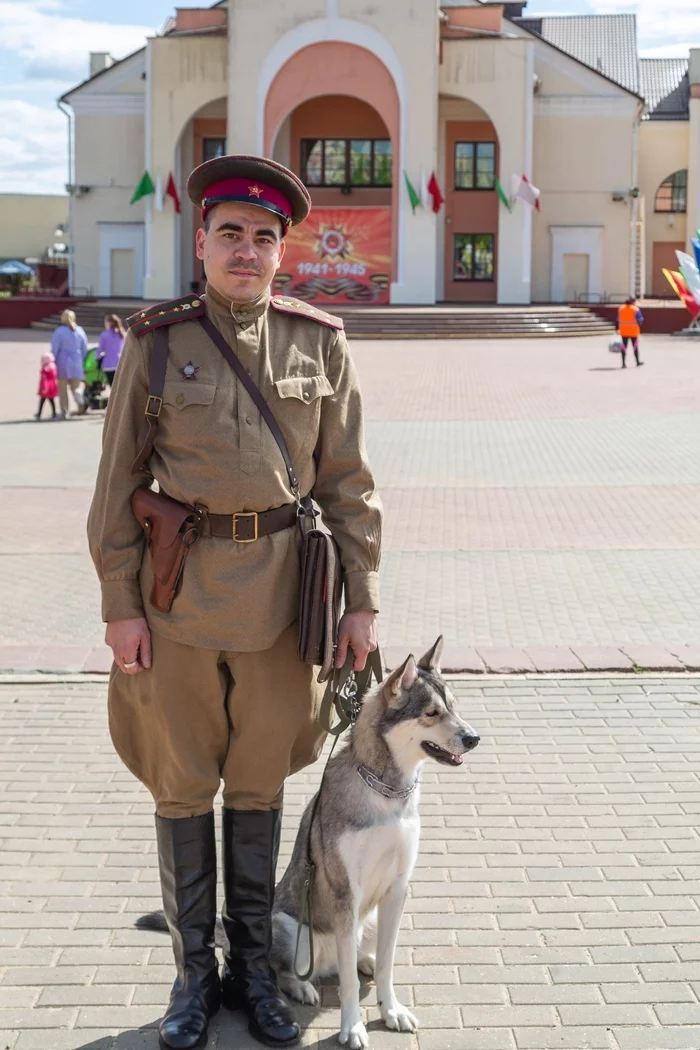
{"x":364,"y":843}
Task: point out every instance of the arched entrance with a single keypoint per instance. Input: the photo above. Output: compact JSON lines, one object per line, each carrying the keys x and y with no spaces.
{"x":203,"y":138}
{"x":471,"y":167}
{"x":332,"y":115}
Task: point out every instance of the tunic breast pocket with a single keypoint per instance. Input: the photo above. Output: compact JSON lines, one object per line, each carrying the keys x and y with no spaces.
{"x":299,"y":407}
{"x":185,"y":407}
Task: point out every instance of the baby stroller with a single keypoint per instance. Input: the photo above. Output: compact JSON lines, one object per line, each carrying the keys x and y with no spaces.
{"x":95,"y":381}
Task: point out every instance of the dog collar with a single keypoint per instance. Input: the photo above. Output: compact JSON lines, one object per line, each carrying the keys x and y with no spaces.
{"x":373,"y":781}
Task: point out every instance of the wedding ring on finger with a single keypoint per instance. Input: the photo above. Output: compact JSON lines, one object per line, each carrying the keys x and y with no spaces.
{"x":129,"y":666}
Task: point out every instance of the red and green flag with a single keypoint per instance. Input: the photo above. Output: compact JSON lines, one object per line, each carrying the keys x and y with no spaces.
{"x":144,"y":188}
{"x":502,"y":196}
{"x":412,"y":194}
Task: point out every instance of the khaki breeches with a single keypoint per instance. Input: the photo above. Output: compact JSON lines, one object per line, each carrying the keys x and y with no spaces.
{"x":200,"y":716}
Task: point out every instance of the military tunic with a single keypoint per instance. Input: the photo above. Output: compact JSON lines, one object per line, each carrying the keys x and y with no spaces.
{"x":213,"y":447}
{"x":226,"y":697}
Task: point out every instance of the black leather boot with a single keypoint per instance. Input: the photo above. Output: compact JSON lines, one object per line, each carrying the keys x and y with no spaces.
{"x":187,"y":859}
{"x":251,"y":845}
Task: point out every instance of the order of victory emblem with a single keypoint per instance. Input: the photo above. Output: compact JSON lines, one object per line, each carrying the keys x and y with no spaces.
{"x":189,"y":371}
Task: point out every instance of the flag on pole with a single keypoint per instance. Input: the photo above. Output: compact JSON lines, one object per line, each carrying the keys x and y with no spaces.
{"x":144,"y":188}
{"x":171,"y":191}
{"x":435,"y":193}
{"x":424,"y":189}
{"x":158,"y":200}
{"x":502,"y":196}
{"x":524,"y":190}
{"x":412,"y":195}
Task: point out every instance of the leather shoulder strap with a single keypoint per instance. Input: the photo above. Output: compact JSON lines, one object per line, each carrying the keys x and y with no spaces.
{"x":154,"y":403}
{"x":187,"y":308}
{"x":260,"y":402}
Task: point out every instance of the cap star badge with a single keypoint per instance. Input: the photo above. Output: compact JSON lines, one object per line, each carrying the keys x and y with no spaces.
{"x":254,"y":191}
{"x":189,"y":371}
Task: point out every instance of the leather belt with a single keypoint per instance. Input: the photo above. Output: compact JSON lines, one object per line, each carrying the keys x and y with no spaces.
{"x":249,"y":525}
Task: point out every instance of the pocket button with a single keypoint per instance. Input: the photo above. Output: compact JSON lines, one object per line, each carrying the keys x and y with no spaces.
{"x":306,"y":395}
{"x":180,"y":399}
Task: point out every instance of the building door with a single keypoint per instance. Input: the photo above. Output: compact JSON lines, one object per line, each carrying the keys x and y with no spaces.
{"x":122,"y":273}
{"x":122,"y":259}
{"x":575,"y":267}
{"x":664,"y":258}
{"x":471,"y":211}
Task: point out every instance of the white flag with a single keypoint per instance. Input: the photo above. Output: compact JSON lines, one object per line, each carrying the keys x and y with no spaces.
{"x":424,"y":190}
{"x":524,"y":190}
{"x":159,"y":195}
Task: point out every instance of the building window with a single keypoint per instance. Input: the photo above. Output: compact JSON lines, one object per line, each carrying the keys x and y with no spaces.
{"x":346,"y":162}
{"x":475,"y":165}
{"x":473,"y":257}
{"x":213,"y":148}
{"x":672,"y":194}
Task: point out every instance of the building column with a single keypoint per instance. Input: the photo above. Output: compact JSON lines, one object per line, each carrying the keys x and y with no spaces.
{"x":515,"y":228}
{"x":694,"y":146}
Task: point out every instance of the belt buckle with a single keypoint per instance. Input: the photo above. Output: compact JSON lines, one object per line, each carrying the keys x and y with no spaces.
{"x":245,"y":514}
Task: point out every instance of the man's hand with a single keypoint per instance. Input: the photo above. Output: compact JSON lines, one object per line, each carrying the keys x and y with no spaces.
{"x":359,"y":631}
{"x":130,"y":642}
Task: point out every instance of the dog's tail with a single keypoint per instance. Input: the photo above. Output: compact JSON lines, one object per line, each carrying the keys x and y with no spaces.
{"x":155,"y":920}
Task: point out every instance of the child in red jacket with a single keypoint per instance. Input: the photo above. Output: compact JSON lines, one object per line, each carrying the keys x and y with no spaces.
{"x":48,"y":384}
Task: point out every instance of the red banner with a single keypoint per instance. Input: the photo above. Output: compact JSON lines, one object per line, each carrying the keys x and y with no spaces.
{"x":339,"y":256}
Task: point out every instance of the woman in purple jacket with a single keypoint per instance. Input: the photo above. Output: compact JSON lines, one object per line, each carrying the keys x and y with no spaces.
{"x":69,"y":347}
{"x":109,"y":346}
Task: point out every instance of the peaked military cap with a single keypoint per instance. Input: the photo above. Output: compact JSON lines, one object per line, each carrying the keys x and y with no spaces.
{"x":250,"y":180}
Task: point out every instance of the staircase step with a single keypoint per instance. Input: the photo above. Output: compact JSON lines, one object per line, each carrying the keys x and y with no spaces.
{"x":409,"y":322}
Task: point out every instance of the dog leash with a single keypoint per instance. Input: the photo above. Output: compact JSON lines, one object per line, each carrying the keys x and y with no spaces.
{"x":345,"y":692}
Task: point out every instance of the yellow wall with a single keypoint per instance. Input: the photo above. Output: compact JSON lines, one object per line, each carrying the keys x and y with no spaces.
{"x":578,"y":164}
{"x":28,"y":223}
{"x":109,"y":158}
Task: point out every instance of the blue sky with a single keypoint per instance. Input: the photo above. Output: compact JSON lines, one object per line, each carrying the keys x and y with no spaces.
{"x":44,"y":47}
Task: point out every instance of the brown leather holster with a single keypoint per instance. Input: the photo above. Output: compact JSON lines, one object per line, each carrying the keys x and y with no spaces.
{"x":171,"y":528}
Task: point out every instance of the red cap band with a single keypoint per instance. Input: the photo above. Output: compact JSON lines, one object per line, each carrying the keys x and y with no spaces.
{"x":249,"y":191}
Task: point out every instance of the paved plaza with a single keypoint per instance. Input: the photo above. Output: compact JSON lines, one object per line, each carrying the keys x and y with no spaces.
{"x":538,"y":502}
{"x":555,"y":904}
{"x":535,"y":494}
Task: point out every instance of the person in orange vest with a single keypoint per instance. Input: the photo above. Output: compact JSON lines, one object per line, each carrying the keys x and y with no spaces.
{"x":629,"y":320}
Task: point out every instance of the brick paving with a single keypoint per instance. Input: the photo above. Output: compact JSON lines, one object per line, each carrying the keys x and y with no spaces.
{"x":555,"y":903}
{"x":536,"y":497}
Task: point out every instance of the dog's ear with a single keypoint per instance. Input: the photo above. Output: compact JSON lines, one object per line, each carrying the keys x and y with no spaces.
{"x":400,"y":681}
{"x":431,"y":660}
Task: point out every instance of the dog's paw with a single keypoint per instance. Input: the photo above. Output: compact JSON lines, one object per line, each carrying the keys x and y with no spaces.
{"x":355,"y":1038}
{"x":302,"y":991}
{"x":398,"y":1018}
{"x":366,"y":965}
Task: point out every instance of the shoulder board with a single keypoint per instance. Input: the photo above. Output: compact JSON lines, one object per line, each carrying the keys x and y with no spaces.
{"x":170,"y":312}
{"x":287,"y":305}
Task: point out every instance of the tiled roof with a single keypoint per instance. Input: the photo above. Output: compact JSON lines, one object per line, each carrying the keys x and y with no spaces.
{"x":665,"y":87}
{"x":607,"y":43}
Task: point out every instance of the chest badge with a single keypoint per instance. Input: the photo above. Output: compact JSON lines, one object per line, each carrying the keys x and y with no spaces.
{"x":189,"y":371}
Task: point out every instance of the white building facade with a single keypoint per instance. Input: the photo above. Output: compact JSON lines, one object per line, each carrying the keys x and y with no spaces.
{"x":354,"y":98}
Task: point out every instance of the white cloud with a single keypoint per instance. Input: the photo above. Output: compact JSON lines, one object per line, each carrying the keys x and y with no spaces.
{"x":52,"y":46}
{"x":50,"y":51}
{"x":33,"y":149}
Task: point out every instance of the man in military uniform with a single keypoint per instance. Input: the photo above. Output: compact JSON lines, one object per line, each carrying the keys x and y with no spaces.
{"x":214,"y":690}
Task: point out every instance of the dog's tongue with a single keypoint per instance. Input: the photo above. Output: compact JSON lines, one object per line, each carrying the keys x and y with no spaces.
{"x":456,"y":760}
